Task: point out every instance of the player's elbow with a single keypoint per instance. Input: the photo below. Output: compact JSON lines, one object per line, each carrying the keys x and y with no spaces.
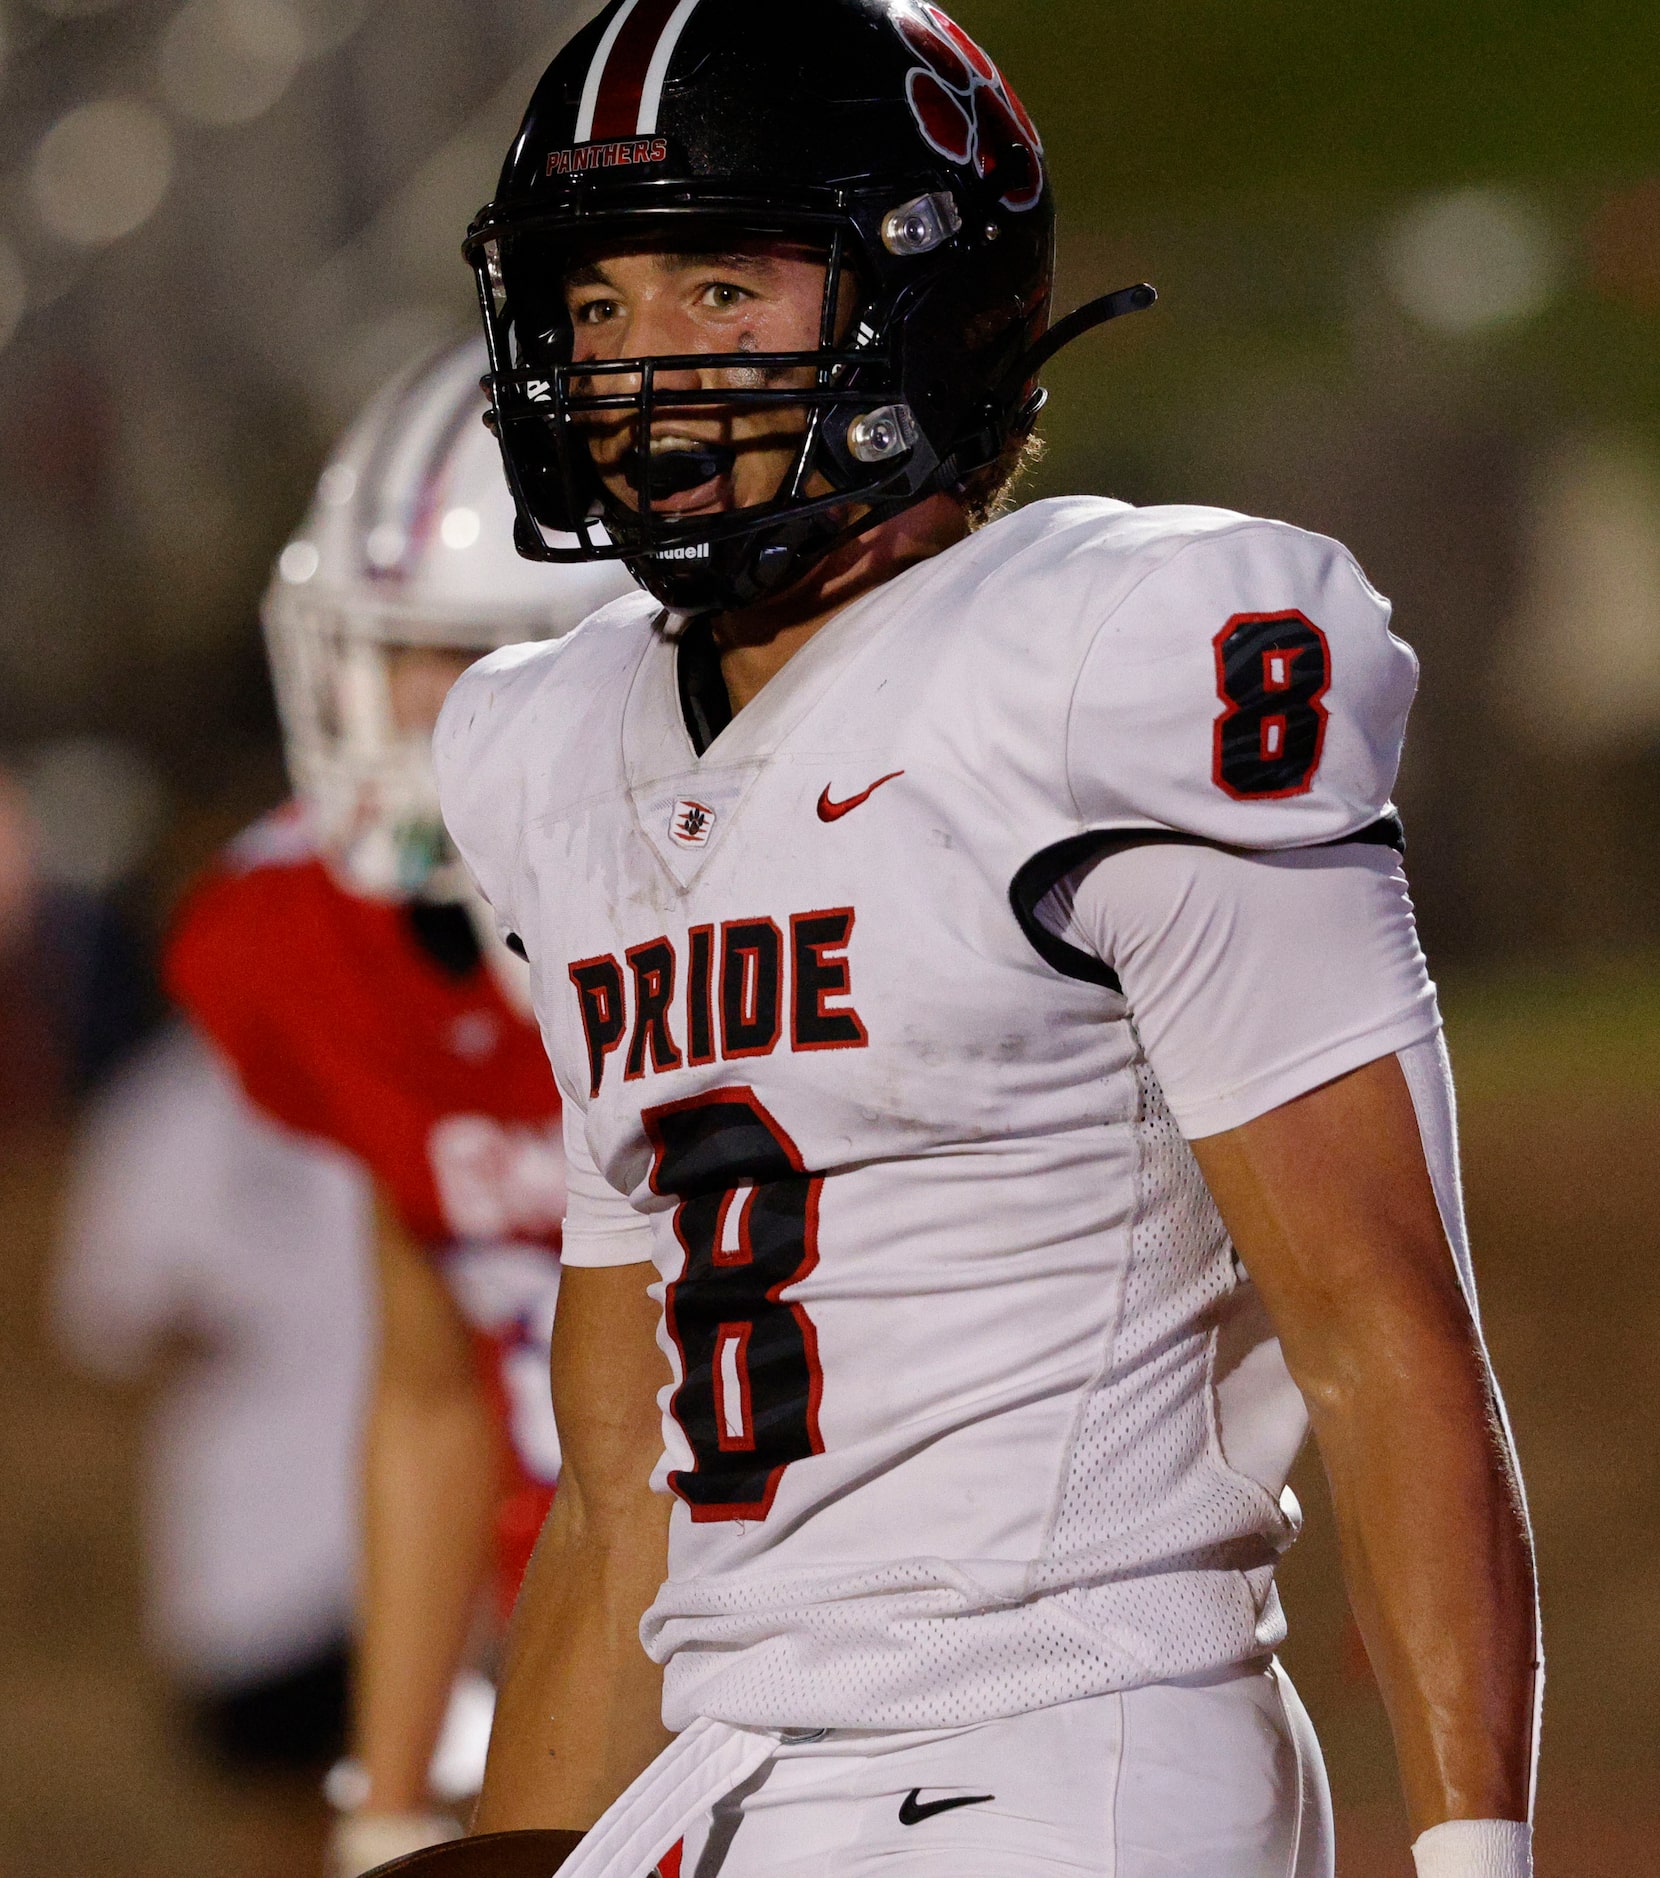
{"x":1388,"y":1350}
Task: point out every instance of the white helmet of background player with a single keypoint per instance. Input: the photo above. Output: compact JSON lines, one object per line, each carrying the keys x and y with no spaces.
{"x":407,"y":551}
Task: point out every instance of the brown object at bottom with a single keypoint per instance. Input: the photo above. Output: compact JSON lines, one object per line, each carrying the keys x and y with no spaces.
{"x":491,"y":1855}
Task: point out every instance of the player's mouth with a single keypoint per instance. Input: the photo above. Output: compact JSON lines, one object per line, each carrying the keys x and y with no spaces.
{"x":681,"y":474}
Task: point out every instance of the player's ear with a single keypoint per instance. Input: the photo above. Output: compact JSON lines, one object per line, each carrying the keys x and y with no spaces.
{"x":491,"y":1855}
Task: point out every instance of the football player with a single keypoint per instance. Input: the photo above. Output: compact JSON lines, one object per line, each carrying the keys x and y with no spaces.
{"x":977,"y":964}
{"x":335,"y":958}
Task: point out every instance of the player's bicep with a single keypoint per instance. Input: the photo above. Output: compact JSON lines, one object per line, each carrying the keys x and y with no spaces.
{"x":1331,"y":1205}
{"x":607,"y":1367}
{"x":607,"y":1370}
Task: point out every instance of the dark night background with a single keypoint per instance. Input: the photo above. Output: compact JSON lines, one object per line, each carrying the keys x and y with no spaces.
{"x":1409,"y":260}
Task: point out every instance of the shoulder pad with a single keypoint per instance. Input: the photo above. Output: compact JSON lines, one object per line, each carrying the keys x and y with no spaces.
{"x":516,"y":709}
{"x":1245,"y":690}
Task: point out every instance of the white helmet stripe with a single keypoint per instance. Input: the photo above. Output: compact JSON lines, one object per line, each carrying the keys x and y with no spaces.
{"x":407,"y":506}
{"x":433,"y":482}
{"x":651,"y":99}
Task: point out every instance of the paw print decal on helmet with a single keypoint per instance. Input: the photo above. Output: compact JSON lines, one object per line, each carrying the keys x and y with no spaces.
{"x":968,"y":111}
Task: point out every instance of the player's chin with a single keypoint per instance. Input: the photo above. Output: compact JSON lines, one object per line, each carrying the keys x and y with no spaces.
{"x":714,"y":496}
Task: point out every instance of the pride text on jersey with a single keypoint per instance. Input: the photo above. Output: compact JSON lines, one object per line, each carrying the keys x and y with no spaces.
{"x":722,"y":994}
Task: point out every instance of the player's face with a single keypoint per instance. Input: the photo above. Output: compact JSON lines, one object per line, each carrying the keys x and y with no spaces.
{"x":760,"y":296}
{"x":418,"y":680}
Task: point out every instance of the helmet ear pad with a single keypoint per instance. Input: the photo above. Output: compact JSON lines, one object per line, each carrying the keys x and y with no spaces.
{"x":558,"y":486}
{"x":960,"y":343}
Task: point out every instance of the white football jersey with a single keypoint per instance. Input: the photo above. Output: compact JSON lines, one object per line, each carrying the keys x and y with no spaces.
{"x":948,"y":1307}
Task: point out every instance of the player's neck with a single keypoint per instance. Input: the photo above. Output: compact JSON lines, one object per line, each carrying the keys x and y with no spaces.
{"x":756,"y":643}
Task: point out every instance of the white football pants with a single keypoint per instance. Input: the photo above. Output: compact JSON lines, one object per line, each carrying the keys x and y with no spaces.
{"x":1180,"y":1780}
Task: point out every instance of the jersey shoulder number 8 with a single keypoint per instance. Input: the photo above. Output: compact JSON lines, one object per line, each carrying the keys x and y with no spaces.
{"x":1273,"y":671}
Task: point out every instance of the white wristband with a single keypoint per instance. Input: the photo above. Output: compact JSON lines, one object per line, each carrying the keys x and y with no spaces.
{"x":1475,"y":1848}
{"x":362,"y":1842}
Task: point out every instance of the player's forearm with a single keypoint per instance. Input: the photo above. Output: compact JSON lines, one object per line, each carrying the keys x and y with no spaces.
{"x":578,"y":1717}
{"x":1330,"y":1202}
{"x":1439,"y":1568}
{"x":431,"y":1481}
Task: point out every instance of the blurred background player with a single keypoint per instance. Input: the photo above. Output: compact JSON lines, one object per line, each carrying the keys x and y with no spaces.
{"x":338,"y":960}
{"x":195,"y":1221}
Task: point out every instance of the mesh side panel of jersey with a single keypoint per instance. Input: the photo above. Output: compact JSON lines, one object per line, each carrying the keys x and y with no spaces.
{"x":1148,"y":1458}
{"x":924,"y":1659}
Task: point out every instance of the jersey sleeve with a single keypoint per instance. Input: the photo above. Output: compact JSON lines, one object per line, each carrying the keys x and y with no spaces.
{"x":1227,"y":963}
{"x":601,"y":1227}
{"x":1246,"y":691}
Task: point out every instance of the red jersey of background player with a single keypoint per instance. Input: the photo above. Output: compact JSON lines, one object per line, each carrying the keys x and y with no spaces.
{"x":341,"y":1022}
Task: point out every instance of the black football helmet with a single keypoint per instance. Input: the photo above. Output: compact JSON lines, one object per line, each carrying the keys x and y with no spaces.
{"x":875,"y":131}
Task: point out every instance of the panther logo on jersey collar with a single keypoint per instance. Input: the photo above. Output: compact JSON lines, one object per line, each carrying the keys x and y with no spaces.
{"x":691,"y":823}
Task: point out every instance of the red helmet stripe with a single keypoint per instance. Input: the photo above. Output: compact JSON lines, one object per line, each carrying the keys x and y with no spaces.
{"x":615,"y":91}
{"x":657,"y":72}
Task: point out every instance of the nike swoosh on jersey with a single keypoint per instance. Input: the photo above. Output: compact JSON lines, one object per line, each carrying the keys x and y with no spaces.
{"x":913,"y":1813}
{"x":829,"y":811}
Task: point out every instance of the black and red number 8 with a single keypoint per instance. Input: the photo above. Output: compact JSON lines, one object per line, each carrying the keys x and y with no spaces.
{"x":747,"y":1221}
{"x":1272,"y":672}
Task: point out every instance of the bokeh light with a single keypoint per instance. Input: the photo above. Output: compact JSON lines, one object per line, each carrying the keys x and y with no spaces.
{"x":227,"y":62}
{"x":299,"y":563}
{"x":385,"y":545}
{"x":1472,"y":259}
{"x":337,"y":485}
{"x":460,"y":528}
{"x":101,"y":171}
{"x":1410,"y":266}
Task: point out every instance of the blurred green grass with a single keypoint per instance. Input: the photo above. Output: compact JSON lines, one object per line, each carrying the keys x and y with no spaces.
{"x":1144,"y":100}
{"x":1534,"y":1032}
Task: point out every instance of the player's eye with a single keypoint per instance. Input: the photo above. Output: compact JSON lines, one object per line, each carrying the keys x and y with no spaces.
{"x":595,"y":312}
{"x":723,"y":295}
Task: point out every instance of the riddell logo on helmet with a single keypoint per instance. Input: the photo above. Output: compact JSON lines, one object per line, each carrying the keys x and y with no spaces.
{"x":607,"y":156}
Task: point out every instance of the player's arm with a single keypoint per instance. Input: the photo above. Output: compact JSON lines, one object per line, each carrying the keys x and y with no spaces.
{"x":431,"y":1483}
{"x":1330,"y":1204}
{"x":578,"y":1713}
{"x":578,"y":1717}
{"x":1284,"y":1004}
